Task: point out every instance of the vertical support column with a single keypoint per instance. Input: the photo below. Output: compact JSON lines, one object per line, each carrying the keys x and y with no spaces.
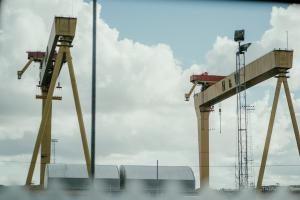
{"x":79,"y":112}
{"x":93,"y":107}
{"x":292,"y":112}
{"x":203,"y":144}
{"x":269,"y":134}
{"x":46,"y":142}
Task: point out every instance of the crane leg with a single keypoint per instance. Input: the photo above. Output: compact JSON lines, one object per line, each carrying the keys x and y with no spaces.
{"x":45,"y":117}
{"x":78,"y":110}
{"x":203,"y":144}
{"x":46,"y":144}
{"x":269,"y":134}
{"x":292,"y":112}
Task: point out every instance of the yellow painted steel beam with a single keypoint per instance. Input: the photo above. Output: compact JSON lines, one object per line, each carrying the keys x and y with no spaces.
{"x":269,"y":135}
{"x":292,"y":113}
{"x":259,"y":70}
{"x":78,"y":110}
{"x":46,"y":144}
{"x":282,"y":79}
{"x":203,"y":145}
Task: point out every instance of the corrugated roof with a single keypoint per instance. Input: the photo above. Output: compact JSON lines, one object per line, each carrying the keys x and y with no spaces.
{"x":79,"y":171}
{"x":164,"y":172}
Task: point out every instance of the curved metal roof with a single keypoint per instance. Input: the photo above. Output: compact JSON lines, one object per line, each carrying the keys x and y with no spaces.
{"x":150,"y":172}
{"x":79,"y":171}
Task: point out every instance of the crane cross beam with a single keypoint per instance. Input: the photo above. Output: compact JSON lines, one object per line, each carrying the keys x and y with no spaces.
{"x":261,"y":69}
{"x":63,"y":31}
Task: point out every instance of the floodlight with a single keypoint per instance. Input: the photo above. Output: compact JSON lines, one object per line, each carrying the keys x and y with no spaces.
{"x":239,"y":35}
{"x":244,"y":47}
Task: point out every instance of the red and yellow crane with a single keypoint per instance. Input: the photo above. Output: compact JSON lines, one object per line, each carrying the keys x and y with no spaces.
{"x":215,"y":89}
{"x":51,"y":61}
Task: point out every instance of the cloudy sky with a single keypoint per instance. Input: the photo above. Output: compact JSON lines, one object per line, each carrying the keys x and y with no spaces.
{"x":146,"y":53}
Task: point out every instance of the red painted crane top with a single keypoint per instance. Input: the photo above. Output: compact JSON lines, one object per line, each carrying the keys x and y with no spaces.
{"x":205,"y":78}
{"x":38,"y":56}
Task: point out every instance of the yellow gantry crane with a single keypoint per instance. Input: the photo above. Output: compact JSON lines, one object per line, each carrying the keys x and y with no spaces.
{"x":274,"y":64}
{"x":51,"y":61}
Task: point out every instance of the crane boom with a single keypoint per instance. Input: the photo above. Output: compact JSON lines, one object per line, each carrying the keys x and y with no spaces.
{"x":261,"y":69}
{"x":63,"y":29}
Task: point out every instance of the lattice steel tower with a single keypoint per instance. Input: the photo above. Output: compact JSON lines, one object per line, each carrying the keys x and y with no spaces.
{"x":242,"y":169}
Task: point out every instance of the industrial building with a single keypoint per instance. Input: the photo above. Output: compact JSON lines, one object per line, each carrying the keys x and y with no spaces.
{"x":110,"y":178}
{"x":75,"y":177}
{"x":156,"y":179}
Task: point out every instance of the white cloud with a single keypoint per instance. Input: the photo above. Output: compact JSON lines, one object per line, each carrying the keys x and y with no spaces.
{"x":141,"y":115}
{"x":220,"y":59}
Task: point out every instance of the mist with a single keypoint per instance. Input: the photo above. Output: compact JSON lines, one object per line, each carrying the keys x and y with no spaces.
{"x":96,"y":191}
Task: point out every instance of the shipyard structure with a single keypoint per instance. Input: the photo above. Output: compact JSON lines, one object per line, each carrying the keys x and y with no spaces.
{"x":154,"y":179}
